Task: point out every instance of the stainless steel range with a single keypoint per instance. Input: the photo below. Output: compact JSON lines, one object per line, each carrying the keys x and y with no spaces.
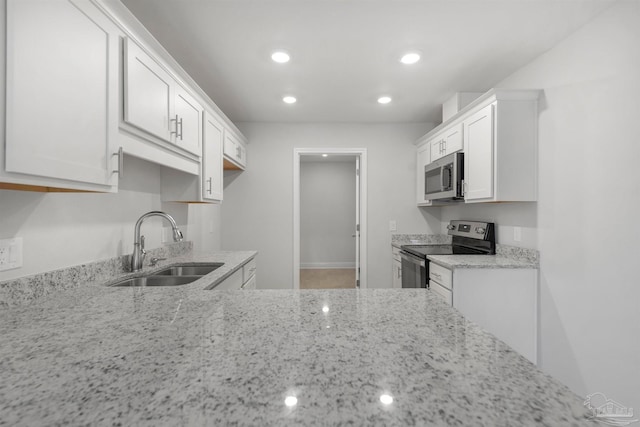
{"x":468,"y":237}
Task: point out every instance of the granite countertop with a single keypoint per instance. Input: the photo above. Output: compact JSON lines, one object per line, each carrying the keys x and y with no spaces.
{"x":183,"y":355}
{"x":506,"y":256}
{"x":481,"y":261}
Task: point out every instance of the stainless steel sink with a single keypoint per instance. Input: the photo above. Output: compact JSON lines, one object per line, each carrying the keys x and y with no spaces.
{"x":157,"y":281}
{"x":189,"y":270}
{"x":175,"y":275}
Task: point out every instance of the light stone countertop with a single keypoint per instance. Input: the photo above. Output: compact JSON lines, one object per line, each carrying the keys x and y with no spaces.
{"x":149,"y":356}
{"x":480,"y":261}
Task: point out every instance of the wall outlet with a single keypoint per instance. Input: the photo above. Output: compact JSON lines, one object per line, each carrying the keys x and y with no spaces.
{"x":517,"y":234}
{"x":10,"y":253}
{"x":392,"y":225}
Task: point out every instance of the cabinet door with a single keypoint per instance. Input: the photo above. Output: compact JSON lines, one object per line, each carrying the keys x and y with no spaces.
{"x":147,"y":93}
{"x":452,"y":140}
{"x":234,"y":149}
{"x":230,"y":147}
{"x":423,"y":159}
{"x":478,"y":154}
{"x":437,"y":151}
{"x":62,"y":100}
{"x":212,"y":159}
{"x":188,"y":132}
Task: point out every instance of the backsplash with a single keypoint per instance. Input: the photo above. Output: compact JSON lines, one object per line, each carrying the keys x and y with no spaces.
{"x":521,"y":254}
{"x":24,"y":290}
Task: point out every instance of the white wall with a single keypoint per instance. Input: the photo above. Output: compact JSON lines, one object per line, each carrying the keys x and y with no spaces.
{"x":327,"y":214}
{"x":258,"y":209}
{"x":586,"y":218}
{"x":66,"y":229}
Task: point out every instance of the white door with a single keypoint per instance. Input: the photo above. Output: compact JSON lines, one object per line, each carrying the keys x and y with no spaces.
{"x":61,"y":106}
{"x":212,"y":159}
{"x":147,"y":93}
{"x":478,"y":154}
{"x":188,"y":112}
{"x":357,"y":232}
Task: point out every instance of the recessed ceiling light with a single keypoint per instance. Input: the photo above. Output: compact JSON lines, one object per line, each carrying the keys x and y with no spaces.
{"x":325,"y":155}
{"x":291,"y":401}
{"x":289,"y":99}
{"x":384,"y":100}
{"x":280,"y":56}
{"x":410,"y":58}
{"x":386,"y":399}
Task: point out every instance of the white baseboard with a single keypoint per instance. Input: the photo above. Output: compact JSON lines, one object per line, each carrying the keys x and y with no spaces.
{"x":326,"y":265}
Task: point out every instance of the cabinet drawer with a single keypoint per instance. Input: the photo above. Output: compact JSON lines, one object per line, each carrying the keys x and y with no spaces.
{"x":440,"y":274}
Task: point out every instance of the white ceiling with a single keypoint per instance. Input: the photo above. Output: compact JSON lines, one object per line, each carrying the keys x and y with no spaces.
{"x":344,"y":53}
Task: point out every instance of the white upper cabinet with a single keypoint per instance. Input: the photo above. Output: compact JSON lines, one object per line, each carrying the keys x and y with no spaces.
{"x":498,"y":134}
{"x":448,"y":142}
{"x":212,"y":158}
{"x":235,"y":152}
{"x":62,"y":68}
{"x":478,"y":165}
{"x":501,"y":150}
{"x":206,"y":187}
{"x":147,"y":92}
{"x":188,"y":114}
{"x":155,"y":103}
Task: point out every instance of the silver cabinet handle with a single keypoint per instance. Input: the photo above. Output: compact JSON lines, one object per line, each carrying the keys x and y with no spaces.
{"x":179,"y":123}
{"x":437,"y":275}
{"x":120,"y":170}
{"x":210,"y":184}
{"x":175,"y":132}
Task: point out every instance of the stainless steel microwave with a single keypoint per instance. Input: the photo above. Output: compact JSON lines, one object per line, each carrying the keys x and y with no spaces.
{"x":443,"y":178}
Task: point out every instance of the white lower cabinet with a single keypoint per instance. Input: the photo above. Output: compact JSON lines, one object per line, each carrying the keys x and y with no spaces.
{"x":242,"y":278}
{"x":62,"y":89}
{"x":501,"y":301}
{"x":232,"y":282}
{"x":397,"y":267}
{"x":249,"y":275}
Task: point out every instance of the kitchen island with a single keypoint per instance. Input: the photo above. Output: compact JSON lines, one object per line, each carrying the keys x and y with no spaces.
{"x":184,"y":355}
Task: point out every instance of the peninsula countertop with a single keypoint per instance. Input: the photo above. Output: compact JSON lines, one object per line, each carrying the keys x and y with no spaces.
{"x":187,"y":356}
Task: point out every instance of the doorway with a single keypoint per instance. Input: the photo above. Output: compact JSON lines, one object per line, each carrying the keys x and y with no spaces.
{"x":322,"y":267}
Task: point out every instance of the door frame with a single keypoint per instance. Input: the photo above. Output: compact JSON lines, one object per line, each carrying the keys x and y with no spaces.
{"x":362,"y":154}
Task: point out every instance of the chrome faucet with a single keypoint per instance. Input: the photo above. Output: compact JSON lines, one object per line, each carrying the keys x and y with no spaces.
{"x":137,"y":258}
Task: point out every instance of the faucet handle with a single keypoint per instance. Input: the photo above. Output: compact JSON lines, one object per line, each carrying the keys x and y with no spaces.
{"x":155,"y":260}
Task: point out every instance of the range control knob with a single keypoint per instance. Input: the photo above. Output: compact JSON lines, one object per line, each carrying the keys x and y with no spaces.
{"x":480,"y":230}
{"x":451,"y":227}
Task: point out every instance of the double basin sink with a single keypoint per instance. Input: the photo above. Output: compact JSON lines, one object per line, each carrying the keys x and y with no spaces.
{"x":172,"y":276}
